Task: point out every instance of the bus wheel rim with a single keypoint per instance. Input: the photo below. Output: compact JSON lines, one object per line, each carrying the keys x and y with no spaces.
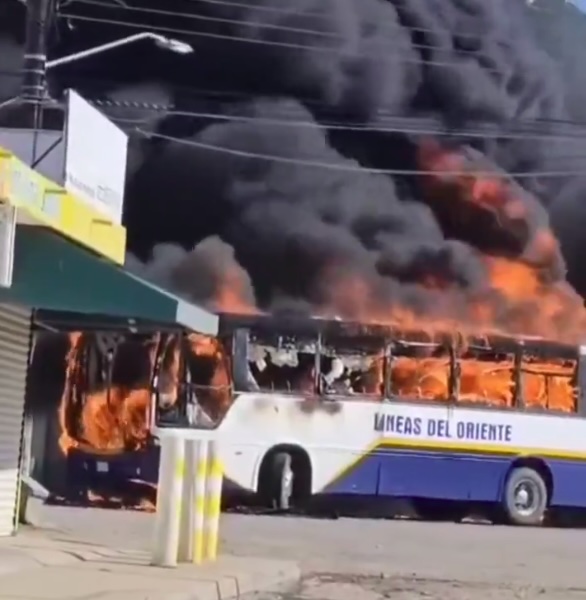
{"x":287,"y":482}
{"x":526,"y":498}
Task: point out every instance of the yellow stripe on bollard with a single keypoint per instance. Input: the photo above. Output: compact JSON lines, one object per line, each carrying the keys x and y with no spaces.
{"x":179,"y":470}
{"x":201,"y":472}
{"x":213,"y":502}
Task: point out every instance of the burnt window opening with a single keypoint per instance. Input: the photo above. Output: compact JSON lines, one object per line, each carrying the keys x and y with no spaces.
{"x":549,"y":385}
{"x":106,"y":398}
{"x":284,"y":364}
{"x":421,"y":371}
{"x":207,"y":379}
{"x":487,"y":377}
{"x":353,"y":367}
{"x":499,"y":372}
{"x":193,"y":386}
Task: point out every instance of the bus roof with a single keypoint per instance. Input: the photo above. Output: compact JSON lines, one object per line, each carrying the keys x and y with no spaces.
{"x":306,"y":326}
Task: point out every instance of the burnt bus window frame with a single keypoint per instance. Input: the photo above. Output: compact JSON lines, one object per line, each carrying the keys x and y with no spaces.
{"x":516,"y":347}
{"x":368,"y":346}
{"x":489,"y":351}
{"x":581,"y":381}
{"x":243,"y":340}
{"x":413,"y":345}
{"x":519,"y":349}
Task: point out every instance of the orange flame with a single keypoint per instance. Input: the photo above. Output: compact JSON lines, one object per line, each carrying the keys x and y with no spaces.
{"x":230,"y":295}
{"x":543,"y":384}
{"x":110,"y":420}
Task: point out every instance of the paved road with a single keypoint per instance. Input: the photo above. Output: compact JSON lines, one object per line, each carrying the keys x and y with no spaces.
{"x":351,"y":587}
{"x":392,"y":559}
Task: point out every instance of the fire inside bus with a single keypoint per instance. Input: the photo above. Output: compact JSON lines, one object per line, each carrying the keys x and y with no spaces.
{"x":313,"y":406}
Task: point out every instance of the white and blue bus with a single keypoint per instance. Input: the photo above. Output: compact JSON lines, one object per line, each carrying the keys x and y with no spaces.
{"x":310,"y":407}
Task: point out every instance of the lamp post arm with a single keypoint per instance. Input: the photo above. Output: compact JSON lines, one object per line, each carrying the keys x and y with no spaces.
{"x":99,"y":49}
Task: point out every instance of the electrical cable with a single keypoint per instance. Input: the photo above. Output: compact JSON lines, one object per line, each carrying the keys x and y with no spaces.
{"x":354,"y":169}
{"x":272,"y":43}
{"x":514,"y":130}
{"x":273,"y":10}
{"x":275,"y":27}
{"x":337,"y":126}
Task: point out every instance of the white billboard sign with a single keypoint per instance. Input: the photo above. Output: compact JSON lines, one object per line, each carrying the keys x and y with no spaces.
{"x":7,"y":239}
{"x":95,"y":158}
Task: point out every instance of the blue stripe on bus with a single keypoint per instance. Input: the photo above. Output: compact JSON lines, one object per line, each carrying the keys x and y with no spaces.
{"x":451,"y":475}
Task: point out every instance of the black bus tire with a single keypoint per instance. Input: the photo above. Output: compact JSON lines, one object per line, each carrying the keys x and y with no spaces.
{"x":525,"y":497}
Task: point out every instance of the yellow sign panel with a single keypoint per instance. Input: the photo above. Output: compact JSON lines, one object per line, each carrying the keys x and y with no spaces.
{"x":50,"y":205}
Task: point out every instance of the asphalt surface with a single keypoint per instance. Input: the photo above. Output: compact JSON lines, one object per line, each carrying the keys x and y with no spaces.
{"x":327,"y":586}
{"x":347,"y":559}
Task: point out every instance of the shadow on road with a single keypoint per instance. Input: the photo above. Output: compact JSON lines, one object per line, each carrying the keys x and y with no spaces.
{"x":141,"y":496}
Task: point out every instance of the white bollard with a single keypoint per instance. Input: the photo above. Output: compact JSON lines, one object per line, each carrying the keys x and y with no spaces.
{"x":199,"y":501}
{"x":169,"y":498}
{"x":213,"y":502}
{"x":185,"y":550}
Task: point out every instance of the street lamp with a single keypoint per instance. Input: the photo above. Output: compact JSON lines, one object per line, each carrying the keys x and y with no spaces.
{"x":161,"y":41}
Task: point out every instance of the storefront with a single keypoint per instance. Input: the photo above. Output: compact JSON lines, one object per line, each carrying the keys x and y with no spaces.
{"x":65,"y":268}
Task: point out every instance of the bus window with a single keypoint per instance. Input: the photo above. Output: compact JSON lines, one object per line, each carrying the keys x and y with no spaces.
{"x":486,"y":377}
{"x":282,"y":363}
{"x":420,"y":371}
{"x":549,"y":384}
{"x":352,"y":366}
{"x":207,"y":375}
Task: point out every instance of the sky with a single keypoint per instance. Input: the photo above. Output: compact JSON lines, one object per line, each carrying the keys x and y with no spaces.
{"x":580,"y":4}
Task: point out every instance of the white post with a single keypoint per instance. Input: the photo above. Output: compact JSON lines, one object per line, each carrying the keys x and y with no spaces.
{"x":170,"y":488}
{"x":213,"y":501}
{"x":186,"y":540}
{"x":199,"y":502}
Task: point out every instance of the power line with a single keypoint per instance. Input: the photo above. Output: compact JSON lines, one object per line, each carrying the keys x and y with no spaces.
{"x":383,"y":113}
{"x":259,"y":9}
{"x":354,"y":169}
{"x":386,"y":121}
{"x":289,"y":45}
{"x":411,"y":126}
{"x":277,"y":27}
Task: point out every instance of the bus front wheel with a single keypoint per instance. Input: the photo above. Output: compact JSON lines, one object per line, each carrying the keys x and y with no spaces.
{"x":525,"y":497}
{"x":278,"y":479}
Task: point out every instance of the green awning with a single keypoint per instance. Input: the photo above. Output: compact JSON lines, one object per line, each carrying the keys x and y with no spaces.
{"x":54,"y":274}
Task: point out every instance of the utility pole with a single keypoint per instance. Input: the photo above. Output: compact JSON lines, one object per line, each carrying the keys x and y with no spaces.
{"x":35,"y":59}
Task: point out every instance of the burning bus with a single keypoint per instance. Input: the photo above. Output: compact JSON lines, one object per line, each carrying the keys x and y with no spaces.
{"x":309,"y":406}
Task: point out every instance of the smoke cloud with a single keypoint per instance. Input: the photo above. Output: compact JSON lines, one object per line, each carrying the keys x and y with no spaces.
{"x":305,"y":184}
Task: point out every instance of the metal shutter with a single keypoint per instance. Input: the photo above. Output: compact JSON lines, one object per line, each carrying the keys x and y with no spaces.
{"x":14,"y":347}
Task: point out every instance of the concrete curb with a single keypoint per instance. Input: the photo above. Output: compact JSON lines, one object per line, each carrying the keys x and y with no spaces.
{"x":33,"y":566}
{"x":138,"y":582}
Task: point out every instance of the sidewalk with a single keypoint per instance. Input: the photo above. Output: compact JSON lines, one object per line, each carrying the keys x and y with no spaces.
{"x":43,"y":564}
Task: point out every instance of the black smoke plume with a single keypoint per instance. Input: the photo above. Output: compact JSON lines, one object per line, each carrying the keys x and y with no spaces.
{"x":306,"y":175}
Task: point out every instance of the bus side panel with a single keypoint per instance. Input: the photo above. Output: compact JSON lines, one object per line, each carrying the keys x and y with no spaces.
{"x":241,"y":464}
{"x":569,"y":483}
{"x":442,"y":475}
{"x":445,"y":476}
{"x":360,"y":478}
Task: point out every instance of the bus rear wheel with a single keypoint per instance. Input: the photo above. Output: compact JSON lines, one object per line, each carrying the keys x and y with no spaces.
{"x":525,"y":497}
